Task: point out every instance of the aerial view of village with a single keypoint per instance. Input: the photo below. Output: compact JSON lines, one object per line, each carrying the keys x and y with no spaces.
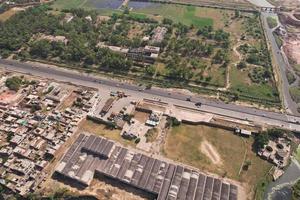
{"x":150,"y":99}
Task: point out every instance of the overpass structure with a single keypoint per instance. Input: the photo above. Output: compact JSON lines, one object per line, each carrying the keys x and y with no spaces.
{"x":270,"y":9}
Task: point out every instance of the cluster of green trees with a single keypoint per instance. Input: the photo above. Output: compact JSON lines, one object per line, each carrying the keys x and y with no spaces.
{"x":263,"y":138}
{"x":14,"y":83}
{"x":184,"y":54}
{"x":81,"y":35}
{"x":257,"y":55}
{"x":19,"y":29}
{"x":220,"y":36}
{"x":253,"y":27}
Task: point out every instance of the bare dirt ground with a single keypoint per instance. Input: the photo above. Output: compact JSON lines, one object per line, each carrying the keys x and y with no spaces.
{"x":141,"y":116}
{"x":102,"y":188}
{"x":286,"y":3}
{"x":7,"y":95}
{"x":291,"y":47}
{"x":68,"y":101}
{"x":107,"y":189}
{"x":211,"y":152}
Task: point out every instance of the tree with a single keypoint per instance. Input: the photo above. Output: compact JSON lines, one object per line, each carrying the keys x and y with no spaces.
{"x":40,"y":48}
{"x":220,"y":57}
{"x":246,"y":165}
{"x":127,"y":118}
{"x":126,"y":10}
{"x":167,"y":21}
{"x":236,"y":13}
{"x":13,"y":83}
{"x":275,"y":132}
{"x":241,"y":65}
{"x":261,"y":140}
{"x":172,"y":121}
{"x":150,"y":70}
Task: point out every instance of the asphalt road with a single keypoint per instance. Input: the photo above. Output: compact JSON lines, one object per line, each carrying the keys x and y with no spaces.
{"x":213,"y":106}
{"x":289,"y":104}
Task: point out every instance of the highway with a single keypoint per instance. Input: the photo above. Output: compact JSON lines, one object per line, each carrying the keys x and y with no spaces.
{"x":212,"y":106}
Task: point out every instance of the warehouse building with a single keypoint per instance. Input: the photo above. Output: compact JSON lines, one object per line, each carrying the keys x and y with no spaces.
{"x":91,"y":155}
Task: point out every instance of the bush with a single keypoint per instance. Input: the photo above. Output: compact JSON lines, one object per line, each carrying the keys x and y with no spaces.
{"x":137,"y":140}
{"x":127,"y":118}
{"x":172,"y":121}
{"x":296,"y":191}
{"x":241,"y":65}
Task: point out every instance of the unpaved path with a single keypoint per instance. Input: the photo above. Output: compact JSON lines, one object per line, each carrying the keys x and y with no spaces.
{"x":210,"y":152}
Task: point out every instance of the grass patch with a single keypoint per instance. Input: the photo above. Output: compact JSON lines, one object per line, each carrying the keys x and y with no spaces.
{"x":290,"y":77}
{"x":297,"y":154}
{"x":278,"y":40}
{"x":151,"y":135}
{"x":69,"y":4}
{"x":241,"y":84}
{"x":137,"y":15}
{"x":184,"y":14}
{"x":261,"y":186}
{"x":183,"y":144}
{"x":295,"y":94}
{"x":272,"y":22}
{"x":101,"y":130}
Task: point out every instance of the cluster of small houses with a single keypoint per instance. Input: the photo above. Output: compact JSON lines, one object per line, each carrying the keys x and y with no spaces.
{"x":30,"y":138}
{"x":33,"y":128}
{"x":123,"y":119}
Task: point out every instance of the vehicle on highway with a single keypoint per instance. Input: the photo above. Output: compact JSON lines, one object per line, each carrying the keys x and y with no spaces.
{"x":198,"y":104}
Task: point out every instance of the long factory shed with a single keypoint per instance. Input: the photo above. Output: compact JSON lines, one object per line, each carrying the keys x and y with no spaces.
{"x":90,"y":155}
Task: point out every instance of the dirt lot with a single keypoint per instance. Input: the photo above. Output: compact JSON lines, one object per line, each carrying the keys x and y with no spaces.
{"x":102,"y":188}
{"x":291,"y":47}
{"x":101,"y":130}
{"x":286,"y":3}
{"x":184,"y":142}
{"x":68,"y":101}
{"x":8,"y":96}
{"x":141,"y":116}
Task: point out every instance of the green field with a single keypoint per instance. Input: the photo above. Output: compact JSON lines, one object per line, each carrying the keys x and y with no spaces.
{"x":69,"y":4}
{"x":184,"y":14}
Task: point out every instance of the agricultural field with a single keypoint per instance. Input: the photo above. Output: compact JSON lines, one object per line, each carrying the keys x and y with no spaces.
{"x":200,"y":46}
{"x":201,"y":147}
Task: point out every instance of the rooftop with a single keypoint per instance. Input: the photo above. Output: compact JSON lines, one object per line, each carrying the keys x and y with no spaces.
{"x":164,"y":179}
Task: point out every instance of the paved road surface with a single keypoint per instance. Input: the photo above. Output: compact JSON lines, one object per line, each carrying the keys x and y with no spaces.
{"x":212,"y":106}
{"x":289,"y":104}
{"x":261,"y":3}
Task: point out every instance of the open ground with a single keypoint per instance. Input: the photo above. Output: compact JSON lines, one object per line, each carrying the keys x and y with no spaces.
{"x":184,"y":143}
